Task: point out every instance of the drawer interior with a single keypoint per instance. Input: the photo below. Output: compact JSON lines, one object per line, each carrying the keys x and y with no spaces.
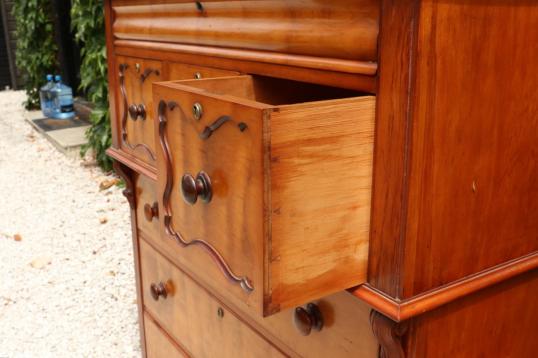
{"x":268,"y":90}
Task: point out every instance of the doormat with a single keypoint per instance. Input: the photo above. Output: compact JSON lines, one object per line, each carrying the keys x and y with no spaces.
{"x":51,"y":124}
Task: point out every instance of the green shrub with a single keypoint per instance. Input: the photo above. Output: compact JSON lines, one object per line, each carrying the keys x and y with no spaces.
{"x":36,"y":49}
{"x":87,"y":21}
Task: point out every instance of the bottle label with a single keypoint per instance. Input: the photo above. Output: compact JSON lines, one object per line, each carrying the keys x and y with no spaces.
{"x":66,"y":104}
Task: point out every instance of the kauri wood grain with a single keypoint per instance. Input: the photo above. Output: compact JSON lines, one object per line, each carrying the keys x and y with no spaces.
{"x":194,"y":318}
{"x":146,"y":194}
{"x":393,"y":118}
{"x":182,"y":71}
{"x":159,"y":344}
{"x":296,"y":27}
{"x":134,"y":89}
{"x":130,"y":177}
{"x":337,"y":73}
{"x":473,"y":168}
{"x":499,"y":321}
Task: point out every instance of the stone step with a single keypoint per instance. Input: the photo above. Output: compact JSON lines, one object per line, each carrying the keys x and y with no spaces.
{"x":67,"y":135}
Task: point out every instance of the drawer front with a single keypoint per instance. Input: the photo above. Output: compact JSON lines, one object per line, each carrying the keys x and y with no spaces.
{"x":202,"y":325}
{"x":346,"y":330}
{"x":158,"y":344}
{"x":340,"y":29}
{"x":181,"y":71}
{"x":274,"y":189}
{"x":213,"y":228}
{"x":147,"y":210}
{"x":136,"y":106}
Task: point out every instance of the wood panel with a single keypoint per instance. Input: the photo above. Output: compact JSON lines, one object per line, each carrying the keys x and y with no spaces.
{"x":195,"y":318}
{"x":321,"y":184}
{"x":159,"y":344}
{"x":295,"y":27}
{"x":134,"y":88}
{"x":393,"y":117}
{"x":497,"y":322}
{"x":146,"y":194}
{"x":182,"y":71}
{"x":473,"y":193}
{"x":130,"y":177}
{"x":346,"y":331}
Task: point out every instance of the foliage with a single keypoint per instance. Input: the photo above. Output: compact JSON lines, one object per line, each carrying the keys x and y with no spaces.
{"x":36,"y":49}
{"x":87,"y":21}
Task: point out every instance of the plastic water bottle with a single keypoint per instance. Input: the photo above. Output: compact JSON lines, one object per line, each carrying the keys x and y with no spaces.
{"x":62,"y":96}
{"x":45,"y":97}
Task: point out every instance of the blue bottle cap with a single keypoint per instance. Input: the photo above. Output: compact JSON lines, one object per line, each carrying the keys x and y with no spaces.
{"x":49,"y":78}
{"x":57,"y":78}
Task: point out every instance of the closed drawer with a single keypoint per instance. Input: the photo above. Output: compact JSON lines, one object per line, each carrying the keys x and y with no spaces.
{"x":135,"y":106}
{"x":158,"y":344}
{"x":147,"y":209}
{"x":182,"y":71}
{"x":339,"y":29}
{"x":136,"y":110}
{"x":345,"y":332}
{"x":203,"y":326}
{"x":269,"y":179}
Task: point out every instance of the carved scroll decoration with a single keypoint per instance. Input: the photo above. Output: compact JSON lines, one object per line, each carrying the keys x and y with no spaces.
{"x":389,"y":334}
{"x":242,"y":281}
{"x":123,"y":128}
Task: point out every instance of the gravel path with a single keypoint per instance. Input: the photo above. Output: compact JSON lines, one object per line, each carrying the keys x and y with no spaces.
{"x":66,"y":267}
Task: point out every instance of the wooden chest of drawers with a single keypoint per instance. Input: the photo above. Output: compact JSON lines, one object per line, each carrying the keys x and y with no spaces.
{"x":329,"y":179}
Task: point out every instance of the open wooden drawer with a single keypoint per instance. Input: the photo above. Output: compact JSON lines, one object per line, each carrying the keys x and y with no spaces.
{"x":267,"y":181}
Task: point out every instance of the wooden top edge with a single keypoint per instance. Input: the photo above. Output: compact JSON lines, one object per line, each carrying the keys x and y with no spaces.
{"x":328,"y":64}
{"x":132,"y":162}
{"x":331,"y":102}
{"x":181,"y":85}
{"x":401,"y":310}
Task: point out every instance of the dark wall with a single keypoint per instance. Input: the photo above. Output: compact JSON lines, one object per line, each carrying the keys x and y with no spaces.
{"x":68,"y":51}
{"x":9,"y":37}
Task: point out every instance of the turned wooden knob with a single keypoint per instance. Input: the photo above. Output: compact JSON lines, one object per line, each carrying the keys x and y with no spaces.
{"x":308,"y":319}
{"x":192,"y":188}
{"x":158,"y":290}
{"x":151,"y":211}
{"x":137,"y":111}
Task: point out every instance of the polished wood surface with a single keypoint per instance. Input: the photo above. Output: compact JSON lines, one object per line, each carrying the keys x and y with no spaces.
{"x":233,"y":161}
{"x":393,"y":117}
{"x":272,"y":192}
{"x":158,"y":343}
{"x":135,"y":78}
{"x":331,"y":72}
{"x":295,"y":27}
{"x":146,"y":195}
{"x":446,"y":207}
{"x":129,"y":177}
{"x":320,"y":197}
{"x":473,"y":188}
{"x":433,"y":222}
{"x":195,"y":318}
{"x":403,"y":309}
{"x":497,"y":322}
{"x":181,"y":71}
{"x":346,"y":330}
